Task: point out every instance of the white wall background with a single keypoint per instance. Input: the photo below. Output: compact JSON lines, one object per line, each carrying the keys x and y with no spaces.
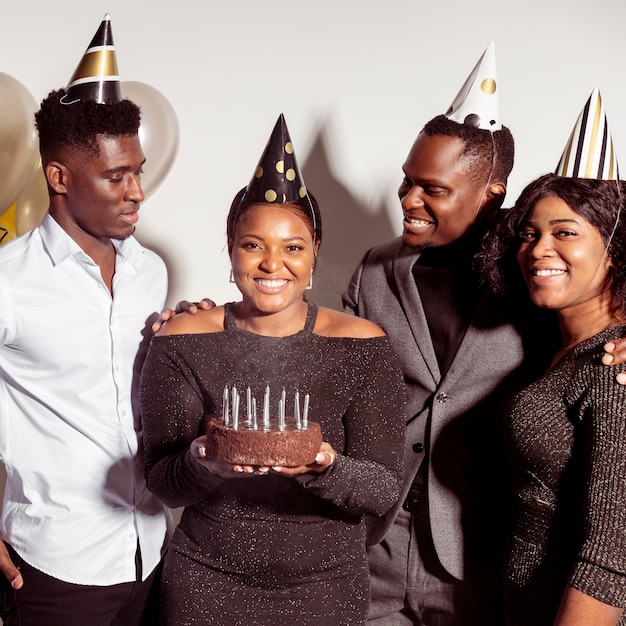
{"x":356,"y":80}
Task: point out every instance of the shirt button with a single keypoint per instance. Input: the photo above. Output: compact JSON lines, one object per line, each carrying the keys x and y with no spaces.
{"x":418,"y":447}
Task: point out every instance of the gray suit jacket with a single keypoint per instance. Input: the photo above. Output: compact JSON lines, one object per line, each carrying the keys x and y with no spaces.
{"x":451,"y":419}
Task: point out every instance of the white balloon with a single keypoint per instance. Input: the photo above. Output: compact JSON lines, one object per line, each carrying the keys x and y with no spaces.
{"x":19,"y":146}
{"x":158,"y":133}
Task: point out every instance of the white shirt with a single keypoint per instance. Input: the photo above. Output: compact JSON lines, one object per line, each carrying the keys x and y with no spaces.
{"x":75,"y":502}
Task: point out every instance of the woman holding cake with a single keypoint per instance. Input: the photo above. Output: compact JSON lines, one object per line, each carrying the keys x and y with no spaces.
{"x":565,"y":434}
{"x":261,"y":544}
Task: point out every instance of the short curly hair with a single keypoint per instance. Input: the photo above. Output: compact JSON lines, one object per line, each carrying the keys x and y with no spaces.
{"x":601,"y":202}
{"x":79,"y":124}
{"x":479,"y":147}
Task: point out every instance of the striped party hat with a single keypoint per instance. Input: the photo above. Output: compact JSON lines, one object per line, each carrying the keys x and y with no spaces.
{"x":97,"y":78}
{"x":477,"y":104}
{"x":589,"y":152}
{"x":277,"y":177}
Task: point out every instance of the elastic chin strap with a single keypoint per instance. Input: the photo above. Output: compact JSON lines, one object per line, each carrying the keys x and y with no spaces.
{"x":617,"y":217}
{"x":493,"y":167}
{"x":308,"y":197}
{"x":610,"y":239}
{"x":62,"y":100}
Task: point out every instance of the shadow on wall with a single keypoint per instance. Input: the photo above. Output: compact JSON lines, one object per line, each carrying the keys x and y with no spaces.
{"x":350,"y":228}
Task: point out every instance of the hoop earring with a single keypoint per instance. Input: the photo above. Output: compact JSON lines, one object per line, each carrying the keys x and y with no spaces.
{"x":310,"y":283}
{"x":231,"y":278}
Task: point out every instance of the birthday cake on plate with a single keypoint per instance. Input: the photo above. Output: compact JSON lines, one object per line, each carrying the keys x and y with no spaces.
{"x":248,"y":439}
{"x":289,"y":447}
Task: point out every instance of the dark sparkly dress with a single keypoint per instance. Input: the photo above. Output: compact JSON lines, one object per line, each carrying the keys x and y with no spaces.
{"x":566,"y":439}
{"x":272,"y":550}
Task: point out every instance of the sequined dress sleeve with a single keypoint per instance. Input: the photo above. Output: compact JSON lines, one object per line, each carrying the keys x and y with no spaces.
{"x":566,"y":441}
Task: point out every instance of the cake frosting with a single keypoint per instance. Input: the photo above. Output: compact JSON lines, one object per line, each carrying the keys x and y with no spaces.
{"x":289,"y":447}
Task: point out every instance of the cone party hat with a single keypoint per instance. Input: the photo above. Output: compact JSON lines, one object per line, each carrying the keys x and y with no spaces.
{"x":477,"y":104}
{"x":96,"y":77}
{"x":277,"y":177}
{"x":589,"y":152}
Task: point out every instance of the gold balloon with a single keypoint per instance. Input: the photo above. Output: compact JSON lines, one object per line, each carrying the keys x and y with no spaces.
{"x":19,"y":151}
{"x":7,"y":225}
{"x":32,"y":203}
{"x":158,"y":132}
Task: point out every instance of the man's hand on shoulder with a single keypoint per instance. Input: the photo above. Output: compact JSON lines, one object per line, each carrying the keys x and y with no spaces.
{"x":615,"y":354}
{"x":184,"y":306}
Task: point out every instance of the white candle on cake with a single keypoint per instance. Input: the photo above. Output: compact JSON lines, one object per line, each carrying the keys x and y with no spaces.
{"x":305,"y":412}
{"x":225,"y":406}
{"x":296,"y":410}
{"x":266,"y":408}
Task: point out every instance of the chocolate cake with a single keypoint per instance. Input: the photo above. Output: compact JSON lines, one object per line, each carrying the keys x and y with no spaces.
{"x":288,"y":447}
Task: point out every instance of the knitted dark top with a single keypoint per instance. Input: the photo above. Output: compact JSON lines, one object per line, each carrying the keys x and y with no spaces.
{"x":272,"y":549}
{"x":566,"y":441}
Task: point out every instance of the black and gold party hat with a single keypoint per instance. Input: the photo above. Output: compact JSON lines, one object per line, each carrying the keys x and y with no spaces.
{"x":277,"y":177}
{"x":589,"y":152}
{"x":96,"y":77}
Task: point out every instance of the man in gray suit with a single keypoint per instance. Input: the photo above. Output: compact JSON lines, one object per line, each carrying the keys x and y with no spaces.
{"x":434,"y":558}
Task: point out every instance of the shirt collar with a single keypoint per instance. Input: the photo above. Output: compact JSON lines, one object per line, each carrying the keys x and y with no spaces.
{"x":61,"y":246}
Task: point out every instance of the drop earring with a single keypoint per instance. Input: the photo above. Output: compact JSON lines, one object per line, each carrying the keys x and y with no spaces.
{"x":310,"y":283}
{"x":231,"y":278}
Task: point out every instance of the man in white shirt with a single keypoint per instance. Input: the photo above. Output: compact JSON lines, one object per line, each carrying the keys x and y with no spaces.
{"x":77,"y":297}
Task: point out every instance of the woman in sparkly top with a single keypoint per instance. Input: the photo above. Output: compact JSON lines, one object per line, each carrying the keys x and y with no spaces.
{"x":565,"y":434}
{"x":272,"y":545}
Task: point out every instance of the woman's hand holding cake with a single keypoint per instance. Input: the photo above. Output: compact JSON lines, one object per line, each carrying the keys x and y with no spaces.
{"x":219,"y":468}
{"x":323,"y":460}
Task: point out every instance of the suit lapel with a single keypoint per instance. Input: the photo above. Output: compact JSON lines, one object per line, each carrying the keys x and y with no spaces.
{"x":472,"y":340}
{"x":413,"y":309}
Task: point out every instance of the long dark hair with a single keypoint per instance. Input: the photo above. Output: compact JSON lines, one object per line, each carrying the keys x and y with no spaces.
{"x":600,"y":202}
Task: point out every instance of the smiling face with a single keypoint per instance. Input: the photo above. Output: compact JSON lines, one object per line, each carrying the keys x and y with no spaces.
{"x":439,"y":200}
{"x":102,"y":194}
{"x":272,"y":256}
{"x":562,"y":257}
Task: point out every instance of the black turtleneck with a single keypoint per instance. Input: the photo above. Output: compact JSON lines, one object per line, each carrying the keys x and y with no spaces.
{"x":449,"y":293}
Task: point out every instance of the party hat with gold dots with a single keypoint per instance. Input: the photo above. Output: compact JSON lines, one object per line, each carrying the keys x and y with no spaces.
{"x":476,"y":104}
{"x":589,"y":152}
{"x":96,"y":77}
{"x":277,"y":177}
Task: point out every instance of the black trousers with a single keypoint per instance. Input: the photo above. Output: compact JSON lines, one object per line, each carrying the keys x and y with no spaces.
{"x":47,"y":600}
